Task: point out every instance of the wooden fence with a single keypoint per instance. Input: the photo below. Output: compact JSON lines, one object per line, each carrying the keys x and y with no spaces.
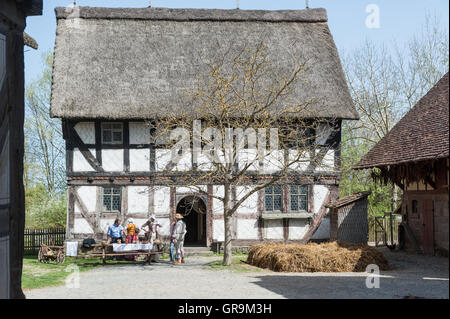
{"x":389,"y":225}
{"x":33,"y":238}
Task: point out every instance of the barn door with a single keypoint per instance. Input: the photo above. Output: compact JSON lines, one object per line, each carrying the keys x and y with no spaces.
{"x":428,"y":227}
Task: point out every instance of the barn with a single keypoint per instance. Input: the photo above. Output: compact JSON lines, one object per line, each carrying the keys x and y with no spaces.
{"x":115,"y":69}
{"x":13,"y":14}
{"x":415,"y":156}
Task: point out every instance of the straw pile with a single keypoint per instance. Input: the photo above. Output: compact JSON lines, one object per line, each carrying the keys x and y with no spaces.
{"x":326,"y":257}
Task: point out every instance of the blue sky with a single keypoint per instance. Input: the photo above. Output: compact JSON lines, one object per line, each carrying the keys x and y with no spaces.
{"x":399,"y":20}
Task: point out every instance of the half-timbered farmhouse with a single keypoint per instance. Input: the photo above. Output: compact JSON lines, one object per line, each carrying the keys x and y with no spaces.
{"x":415,"y":156}
{"x":115,"y":69}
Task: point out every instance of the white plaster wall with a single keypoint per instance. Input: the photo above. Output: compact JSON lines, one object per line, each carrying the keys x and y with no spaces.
{"x":163,"y":158}
{"x":165,"y":226}
{"x":88,"y":195}
{"x":81,"y":226}
{"x":250,"y":205}
{"x":323,"y":232}
{"x":86,"y":131}
{"x":191,"y":189}
{"x":105,"y":223}
{"x":274,"y":161}
{"x":299,"y":163}
{"x":138,"y":199}
{"x":323,"y":131}
{"x":319,"y":193}
{"x":247,"y":229}
{"x":248,"y":156}
{"x":161,"y":199}
{"x":273,"y":229}
{"x":218,"y":230}
{"x":79,"y":162}
{"x":218,"y":190}
{"x":327,"y":162}
{"x":297,"y":228}
{"x":140,"y":160}
{"x":139,"y":133}
{"x":203,"y":162}
{"x":112,"y":160}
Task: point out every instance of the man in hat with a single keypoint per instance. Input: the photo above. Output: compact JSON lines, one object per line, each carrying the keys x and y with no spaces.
{"x":178,"y":238}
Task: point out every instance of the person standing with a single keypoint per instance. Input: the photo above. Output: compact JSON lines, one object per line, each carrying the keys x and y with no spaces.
{"x":152,"y":232}
{"x":172,"y":243}
{"x":178,"y":238}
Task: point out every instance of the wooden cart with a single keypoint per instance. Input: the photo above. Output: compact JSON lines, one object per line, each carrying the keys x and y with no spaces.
{"x":47,"y":253}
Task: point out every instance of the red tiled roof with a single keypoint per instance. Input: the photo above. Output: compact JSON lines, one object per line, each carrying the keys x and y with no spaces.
{"x":422,"y":134}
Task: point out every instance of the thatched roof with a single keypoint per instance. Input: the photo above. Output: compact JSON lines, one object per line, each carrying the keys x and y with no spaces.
{"x":29,"y":41}
{"x":138,"y":63}
{"x":422,"y":134}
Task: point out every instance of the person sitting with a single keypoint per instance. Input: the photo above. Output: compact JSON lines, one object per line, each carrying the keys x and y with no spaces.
{"x":131,"y":232}
{"x":115,"y":232}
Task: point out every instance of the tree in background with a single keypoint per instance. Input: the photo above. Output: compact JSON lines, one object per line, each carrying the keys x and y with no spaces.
{"x":44,"y":160}
{"x":384,"y":86}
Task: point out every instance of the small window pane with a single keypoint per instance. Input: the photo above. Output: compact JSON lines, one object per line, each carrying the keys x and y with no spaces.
{"x":107,"y":126}
{"x":277,"y":189}
{"x":107,"y":203}
{"x":294,"y":203}
{"x":117,"y":136}
{"x":303,"y":190}
{"x":117,"y":126}
{"x":277,"y":203}
{"x":107,"y":136}
{"x":116,"y":203}
{"x":269,"y":189}
{"x":302,"y":203}
{"x":269,"y":203}
{"x":107,"y":191}
{"x":294,"y":190}
{"x":116,"y":190}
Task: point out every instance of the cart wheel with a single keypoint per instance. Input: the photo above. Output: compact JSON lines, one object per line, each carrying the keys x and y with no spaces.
{"x":60,"y":258}
{"x":40,"y":257}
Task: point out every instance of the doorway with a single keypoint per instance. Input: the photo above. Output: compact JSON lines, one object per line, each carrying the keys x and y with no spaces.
{"x":193,"y":209}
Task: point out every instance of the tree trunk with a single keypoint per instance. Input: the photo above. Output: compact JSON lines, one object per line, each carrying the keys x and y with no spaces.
{"x":227,"y":255}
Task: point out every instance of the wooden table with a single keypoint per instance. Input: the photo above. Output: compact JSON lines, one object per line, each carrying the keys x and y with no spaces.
{"x":105,"y":254}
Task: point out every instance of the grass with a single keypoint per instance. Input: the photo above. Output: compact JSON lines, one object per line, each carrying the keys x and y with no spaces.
{"x":40,"y":275}
{"x":237,"y":265}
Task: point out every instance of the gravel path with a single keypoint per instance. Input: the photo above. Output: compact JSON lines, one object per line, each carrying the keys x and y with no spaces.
{"x":416,"y":276}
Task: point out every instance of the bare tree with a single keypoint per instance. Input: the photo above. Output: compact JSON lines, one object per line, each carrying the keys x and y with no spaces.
{"x":253,"y":132}
{"x":44,"y":151}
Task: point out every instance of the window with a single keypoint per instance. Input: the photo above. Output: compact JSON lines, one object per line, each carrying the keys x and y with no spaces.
{"x":299,"y":198}
{"x":272,"y":198}
{"x":112,"y":133}
{"x":111,"y":199}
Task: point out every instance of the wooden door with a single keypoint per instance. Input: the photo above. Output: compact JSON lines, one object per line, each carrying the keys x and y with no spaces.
{"x":428,"y":227}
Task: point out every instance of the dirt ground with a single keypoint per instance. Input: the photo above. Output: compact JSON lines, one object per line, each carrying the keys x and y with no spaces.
{"x":413,"y":276}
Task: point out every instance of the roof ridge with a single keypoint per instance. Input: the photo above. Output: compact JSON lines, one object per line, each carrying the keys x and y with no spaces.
{"x":177,"y":14}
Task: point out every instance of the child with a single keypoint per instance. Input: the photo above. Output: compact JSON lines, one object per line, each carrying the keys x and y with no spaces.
{"x":131,"y":232}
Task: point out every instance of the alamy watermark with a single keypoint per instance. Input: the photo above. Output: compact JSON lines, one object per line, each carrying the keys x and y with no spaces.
{"x":373,"y":279}
{"x":373,"y":17}
{"x":221,"y":146}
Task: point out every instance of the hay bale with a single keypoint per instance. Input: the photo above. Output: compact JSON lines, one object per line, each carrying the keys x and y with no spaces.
{"x":325,"y":257}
